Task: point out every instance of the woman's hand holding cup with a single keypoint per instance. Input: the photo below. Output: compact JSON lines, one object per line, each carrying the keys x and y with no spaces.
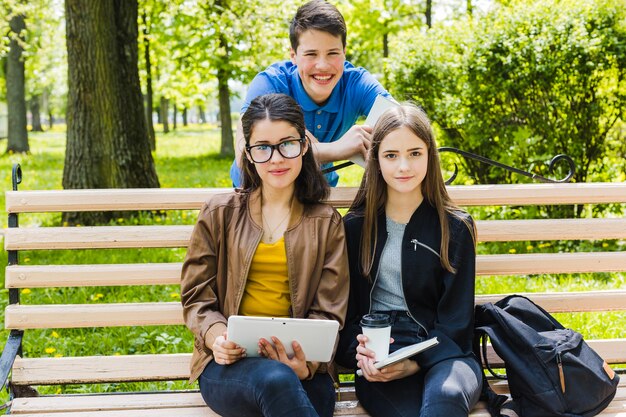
{"x":376,"y":335}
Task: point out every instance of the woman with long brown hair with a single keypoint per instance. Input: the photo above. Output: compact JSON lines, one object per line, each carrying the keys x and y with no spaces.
{"x":272,"y":249}
{"x":411,"y":253}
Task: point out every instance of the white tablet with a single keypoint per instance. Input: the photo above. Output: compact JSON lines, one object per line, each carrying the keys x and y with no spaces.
{"x":317,"y":337}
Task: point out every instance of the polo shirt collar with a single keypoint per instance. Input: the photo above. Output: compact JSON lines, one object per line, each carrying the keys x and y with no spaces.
{"x":331,"y":106}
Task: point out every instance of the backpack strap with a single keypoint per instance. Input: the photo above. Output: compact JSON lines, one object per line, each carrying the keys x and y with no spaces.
{"x":494,"y":401}
{"x":485,"y":360}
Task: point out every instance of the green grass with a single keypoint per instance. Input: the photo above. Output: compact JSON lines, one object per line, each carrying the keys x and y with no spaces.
{"x":189,"y":158}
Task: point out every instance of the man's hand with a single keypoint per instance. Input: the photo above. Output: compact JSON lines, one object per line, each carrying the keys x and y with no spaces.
{"x":355,"y":141}
{"x":240,"y":143}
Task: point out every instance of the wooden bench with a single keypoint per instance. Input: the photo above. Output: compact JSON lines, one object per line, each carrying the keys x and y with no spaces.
{"x":107,"y":368}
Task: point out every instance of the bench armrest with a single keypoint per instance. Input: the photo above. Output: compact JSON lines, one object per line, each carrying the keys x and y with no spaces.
{"x":9,"y":354}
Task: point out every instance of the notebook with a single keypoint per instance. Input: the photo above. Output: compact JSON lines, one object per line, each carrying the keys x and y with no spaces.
{"x":405,"y":352}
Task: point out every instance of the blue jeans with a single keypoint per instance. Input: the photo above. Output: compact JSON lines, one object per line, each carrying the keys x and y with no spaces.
{"x":450,"y":388}
{"x":265,"y":387}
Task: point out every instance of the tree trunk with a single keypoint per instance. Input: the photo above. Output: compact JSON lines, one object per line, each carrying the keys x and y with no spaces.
{"x":227,"y":147}
{"x":185,"y":116}
{"x":16,"y":102}
{"x":385,"y":45}
{"x":107,"y":139}
{"x":146,"y":56}
{"x":35,"y":115}
{"x":45,"y":104}
{"x":429,"y":13}
{"x":175,"y":115}
{"x":201,"y":114}
{"x":165,"y":104}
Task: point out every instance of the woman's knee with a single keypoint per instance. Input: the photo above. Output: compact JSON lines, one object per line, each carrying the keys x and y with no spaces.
{"x":454,"y":381}
{"x":277,"y":379}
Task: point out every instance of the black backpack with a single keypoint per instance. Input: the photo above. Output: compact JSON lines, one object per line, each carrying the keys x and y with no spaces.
{"x":551,"y":370}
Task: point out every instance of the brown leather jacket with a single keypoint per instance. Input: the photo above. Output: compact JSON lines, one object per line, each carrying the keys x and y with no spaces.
{"x":220,"y":252}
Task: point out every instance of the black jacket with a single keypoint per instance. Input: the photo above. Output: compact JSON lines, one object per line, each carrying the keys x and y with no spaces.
{"x":442,"y":302}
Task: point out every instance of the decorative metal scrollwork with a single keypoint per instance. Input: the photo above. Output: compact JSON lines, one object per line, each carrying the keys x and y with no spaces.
{"x":16,"y":176}
{"x":570,"y":162}
{"x":561,"y":157}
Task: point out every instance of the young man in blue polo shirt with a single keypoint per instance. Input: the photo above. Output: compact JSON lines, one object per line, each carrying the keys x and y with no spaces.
{"x":332,"y":92}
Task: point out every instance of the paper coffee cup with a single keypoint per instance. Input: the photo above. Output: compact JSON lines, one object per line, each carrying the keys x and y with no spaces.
{"x":377,"y":329}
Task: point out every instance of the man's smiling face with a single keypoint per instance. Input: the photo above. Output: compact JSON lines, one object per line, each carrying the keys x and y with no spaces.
{"x":320,"y":57}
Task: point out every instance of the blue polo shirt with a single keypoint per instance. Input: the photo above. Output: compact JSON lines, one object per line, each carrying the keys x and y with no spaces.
{"x":352,"y":97}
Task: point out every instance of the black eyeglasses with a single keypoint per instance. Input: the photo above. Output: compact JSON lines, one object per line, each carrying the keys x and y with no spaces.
{"x":288,"y":149}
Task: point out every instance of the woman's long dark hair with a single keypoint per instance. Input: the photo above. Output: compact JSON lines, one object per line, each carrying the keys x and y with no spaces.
{"x":310,"y":185}
{"x":371,"y":197}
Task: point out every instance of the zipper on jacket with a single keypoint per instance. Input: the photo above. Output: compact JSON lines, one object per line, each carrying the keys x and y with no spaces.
{"x":408,"y":312}
{"x":559,"y":364}
{"x":416,"y":242}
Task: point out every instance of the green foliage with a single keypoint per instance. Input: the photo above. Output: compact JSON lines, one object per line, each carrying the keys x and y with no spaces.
{"x":525,"y":83}
{"x":44,"y":49}
{"x":374,"y":23}
{"x":191,"y":41}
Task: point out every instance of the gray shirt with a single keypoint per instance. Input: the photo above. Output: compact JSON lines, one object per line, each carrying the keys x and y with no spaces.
{"x":387,"y":294}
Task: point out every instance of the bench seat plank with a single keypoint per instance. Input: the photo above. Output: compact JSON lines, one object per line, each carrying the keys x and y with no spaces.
{"x":157,"y":412}
{"x":169,"y":367}
{"x":192,"y":198}
{"x":124,"y":237}
{"x":23,"y":316}
{"x":192,"y":402}
{"x":45,"y":276}
{"x":86,"y":402}
{"x":615,"y":409}
{"x":131,"y":401}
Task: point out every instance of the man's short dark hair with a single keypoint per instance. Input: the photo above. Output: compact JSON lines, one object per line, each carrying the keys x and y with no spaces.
{"x":318,"y":15}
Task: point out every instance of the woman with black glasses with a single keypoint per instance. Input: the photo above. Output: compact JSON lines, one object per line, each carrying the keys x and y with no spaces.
{"x":271,"y":249}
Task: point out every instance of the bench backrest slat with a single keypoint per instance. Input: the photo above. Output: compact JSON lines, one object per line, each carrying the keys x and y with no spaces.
{"x":99,"y":237}
{"x":167,"y":313}
{"x":46,"y":276}
{"x":163,"y":367}
{"x":192,"y":198}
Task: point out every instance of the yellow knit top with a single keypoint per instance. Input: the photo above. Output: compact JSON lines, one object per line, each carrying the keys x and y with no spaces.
{"x":267,"y":288}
